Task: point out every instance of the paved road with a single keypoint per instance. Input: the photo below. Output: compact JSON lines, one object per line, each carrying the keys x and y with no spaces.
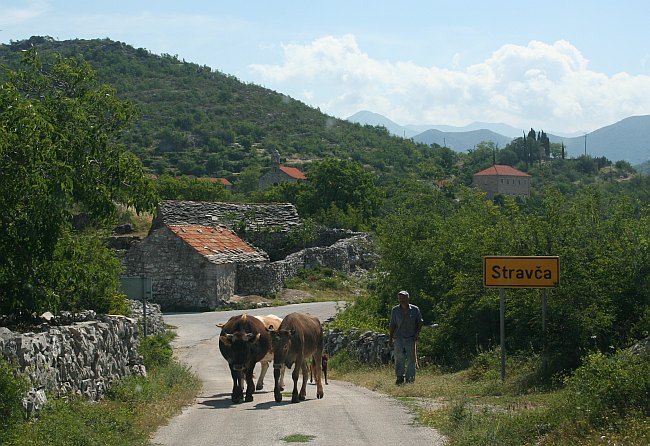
{"x":347,"y":415}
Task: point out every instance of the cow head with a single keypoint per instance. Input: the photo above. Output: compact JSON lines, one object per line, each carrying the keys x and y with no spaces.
{"x":241,"y":346}
{"x":281,"y":344}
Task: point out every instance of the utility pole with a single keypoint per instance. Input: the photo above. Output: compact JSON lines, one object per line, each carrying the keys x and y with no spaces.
{"x":585,"y":144}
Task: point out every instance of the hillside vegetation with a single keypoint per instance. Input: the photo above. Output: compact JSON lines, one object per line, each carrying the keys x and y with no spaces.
{"x":195,"y":120}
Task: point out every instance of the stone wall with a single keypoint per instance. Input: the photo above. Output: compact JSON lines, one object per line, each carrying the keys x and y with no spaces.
{"x":84,"y":358}
{"x":347,"y":255}
{"x":368,"y":347}
{"x":79,"y":353}
{"x":155,"y":322}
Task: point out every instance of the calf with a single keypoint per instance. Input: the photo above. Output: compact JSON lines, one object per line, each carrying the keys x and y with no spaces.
{"x":244,"y":340}
{"x":298,"y":339}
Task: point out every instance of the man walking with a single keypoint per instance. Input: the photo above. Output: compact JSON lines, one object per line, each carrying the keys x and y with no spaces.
{"x":405,"y":325}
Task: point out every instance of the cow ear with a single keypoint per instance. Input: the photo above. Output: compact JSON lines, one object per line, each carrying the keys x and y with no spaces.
{"x":226,"y":340}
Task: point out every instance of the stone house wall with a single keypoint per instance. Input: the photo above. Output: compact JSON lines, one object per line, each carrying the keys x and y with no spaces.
{"x":274,"y":176}
{"x":181,"y":278}
{"x":503,"y":184}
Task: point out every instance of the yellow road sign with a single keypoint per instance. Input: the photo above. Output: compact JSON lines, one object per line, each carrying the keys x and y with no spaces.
{"x":521,"y":271}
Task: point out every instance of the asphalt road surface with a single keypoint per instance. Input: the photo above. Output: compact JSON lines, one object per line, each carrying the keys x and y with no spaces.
{"x":347,"y":415}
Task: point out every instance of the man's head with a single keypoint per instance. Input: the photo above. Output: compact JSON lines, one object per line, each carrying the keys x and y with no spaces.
{"x":403,"y":297}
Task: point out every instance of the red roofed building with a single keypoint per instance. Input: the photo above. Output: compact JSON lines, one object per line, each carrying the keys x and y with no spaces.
{"x":227,"y":184}
{"x":192,"y":266}
{"x":280,"y":174}
{"x":503,"y":180}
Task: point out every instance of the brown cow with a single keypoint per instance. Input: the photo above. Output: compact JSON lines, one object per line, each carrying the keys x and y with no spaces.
{"x":271,"y":322}
{"x":298,"y":340}
{"x":244,"y":340}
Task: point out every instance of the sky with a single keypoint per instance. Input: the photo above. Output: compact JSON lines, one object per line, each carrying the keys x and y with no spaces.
{"x":566,"y":67}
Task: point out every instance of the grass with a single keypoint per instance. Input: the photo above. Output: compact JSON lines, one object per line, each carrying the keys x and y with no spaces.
{"x":473,"y":408}
{"x":134,"y":408}
{"x":298,"y":438}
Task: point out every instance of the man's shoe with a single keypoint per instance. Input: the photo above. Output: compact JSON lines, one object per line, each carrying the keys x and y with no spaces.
{"x":400,"y":381}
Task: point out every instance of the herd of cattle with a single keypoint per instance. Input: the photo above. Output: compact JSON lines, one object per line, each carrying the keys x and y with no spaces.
{"x":295,"y":340}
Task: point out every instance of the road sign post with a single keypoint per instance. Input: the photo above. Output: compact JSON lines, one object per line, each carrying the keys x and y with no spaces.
{"x":520,"y":272}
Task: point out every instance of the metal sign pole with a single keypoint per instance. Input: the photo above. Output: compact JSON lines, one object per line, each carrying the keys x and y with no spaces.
{"x":544,"y":340}
{"x":144,"y":307}
{"x":502,"y":320}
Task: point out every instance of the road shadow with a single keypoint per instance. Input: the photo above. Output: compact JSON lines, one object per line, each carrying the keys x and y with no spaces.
{"x":269,"y":405}
{"x":218,"y":401}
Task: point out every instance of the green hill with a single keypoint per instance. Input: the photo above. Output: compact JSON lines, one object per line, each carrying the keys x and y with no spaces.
{"x":195,"y":120}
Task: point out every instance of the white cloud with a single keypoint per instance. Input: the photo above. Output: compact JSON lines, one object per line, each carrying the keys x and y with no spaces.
{"x":547,"y":86}
{"x":14,"y":15}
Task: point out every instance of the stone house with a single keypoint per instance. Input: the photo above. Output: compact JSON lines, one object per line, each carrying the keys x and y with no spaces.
{"x":280,"y":174}
{"x":191,"y":266}
{"x":504,"y":180}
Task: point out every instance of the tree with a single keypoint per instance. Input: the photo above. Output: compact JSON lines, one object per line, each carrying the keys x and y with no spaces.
{"x":339,"y":185}
{"x":59,"y":155}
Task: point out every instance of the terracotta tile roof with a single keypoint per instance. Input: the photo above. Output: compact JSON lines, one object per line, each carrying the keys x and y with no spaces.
{"x":293,"y":172}
{"x":219,"y":244}
{"x":502,"y":170}
{"x":223,"y":181}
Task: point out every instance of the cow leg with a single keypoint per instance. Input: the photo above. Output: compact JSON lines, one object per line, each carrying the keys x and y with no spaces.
{"x":295,"y":375}
{"x":282,"y":376}
{"x":277,"y":391}
{"x":317,"y":372}
{"x":260,"y":380}
{"x":237,"y":389}
{"x":250,"y":384}
{"x":303,"y":390}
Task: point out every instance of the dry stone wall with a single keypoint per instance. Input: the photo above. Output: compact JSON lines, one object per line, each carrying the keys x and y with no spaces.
{"x":368,"y":347}
{"x":81,"y":353}
{"x":347,"y":255}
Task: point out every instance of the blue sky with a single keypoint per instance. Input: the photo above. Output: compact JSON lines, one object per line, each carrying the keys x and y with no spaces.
{"x":562,"y":66}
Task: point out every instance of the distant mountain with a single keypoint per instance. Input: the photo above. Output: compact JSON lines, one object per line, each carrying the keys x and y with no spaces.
{"x":627,"y":140}
{"x":461,"y":141}
{"x":365,"y":117}
{"x":369,"y":118}
{"x":502,"y":129}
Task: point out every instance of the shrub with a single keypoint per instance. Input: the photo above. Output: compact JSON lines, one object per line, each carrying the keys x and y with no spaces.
{"x":13,"y":388}
{"x":156,"y":350}
{"x":606,"y":386}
